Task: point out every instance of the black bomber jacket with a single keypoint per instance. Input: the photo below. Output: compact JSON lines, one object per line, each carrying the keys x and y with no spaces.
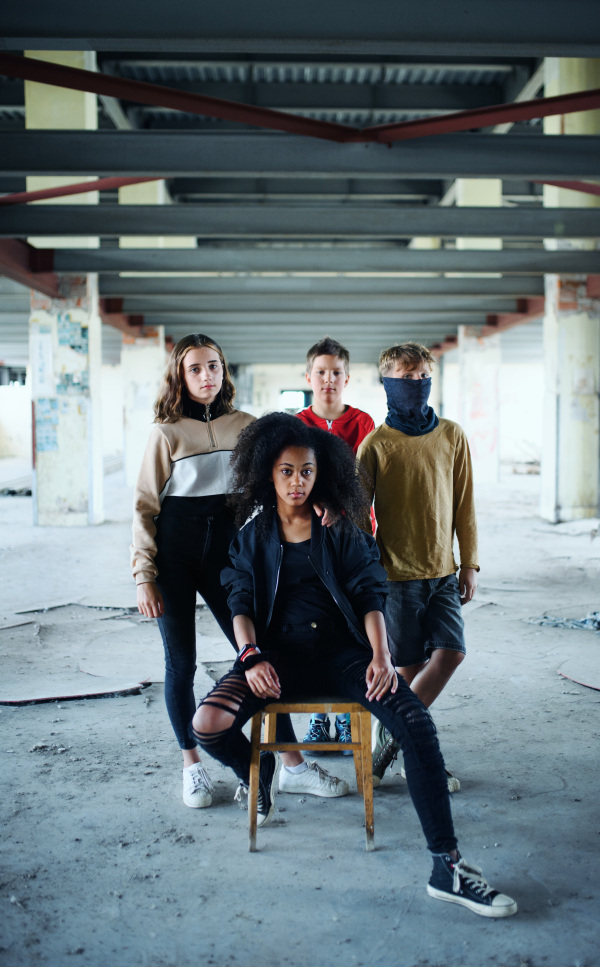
{"x":345,"y":558}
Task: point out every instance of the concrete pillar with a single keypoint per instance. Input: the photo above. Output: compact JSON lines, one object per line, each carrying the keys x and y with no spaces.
{"x":479,"y":371}
{"x":66,"y":356}
{"x":56,"y":108}
{"x":143,"y":364}
{"x":151,"y":193}
{"x":571,"y":452}
{"x":435,"y":399}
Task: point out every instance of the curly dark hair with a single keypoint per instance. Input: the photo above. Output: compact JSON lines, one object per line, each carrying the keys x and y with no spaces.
{"x":338,"y":486}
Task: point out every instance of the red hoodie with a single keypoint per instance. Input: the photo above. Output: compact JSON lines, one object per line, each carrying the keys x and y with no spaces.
{"x":352,"y":426}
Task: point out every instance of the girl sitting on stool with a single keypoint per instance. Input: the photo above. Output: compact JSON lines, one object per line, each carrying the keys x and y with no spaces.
{"x":307,"y":604}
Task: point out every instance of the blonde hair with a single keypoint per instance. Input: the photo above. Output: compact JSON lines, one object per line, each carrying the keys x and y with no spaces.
{"x":410,"y":353}
{"x":173,"y":391}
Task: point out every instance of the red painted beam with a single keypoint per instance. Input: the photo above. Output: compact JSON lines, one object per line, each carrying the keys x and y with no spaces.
{"x":593,"y":286}
{"x":588,"y":187}
{"x":539,"y":107}
{"x":31,"y":69}
{"x":112,"y":315}
{"x":80,"y":188}
{"x":439,"y":348}
{"x":29,"y":266}
{"x":529,"y":309}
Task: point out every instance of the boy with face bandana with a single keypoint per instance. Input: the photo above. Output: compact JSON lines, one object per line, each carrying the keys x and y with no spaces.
{"x":418,"y":469}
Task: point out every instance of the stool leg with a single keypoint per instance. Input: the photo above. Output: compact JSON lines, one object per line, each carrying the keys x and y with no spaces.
{"x":254,"y":773}
{"x":367,"y":777}
{"x":270,"y":726}
{"x":356,"y":737}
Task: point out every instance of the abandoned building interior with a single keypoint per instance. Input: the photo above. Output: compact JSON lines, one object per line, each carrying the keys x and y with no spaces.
{"x":269,"y":175}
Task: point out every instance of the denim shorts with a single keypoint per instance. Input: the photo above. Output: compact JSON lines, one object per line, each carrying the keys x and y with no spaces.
{"x":421,"y":616}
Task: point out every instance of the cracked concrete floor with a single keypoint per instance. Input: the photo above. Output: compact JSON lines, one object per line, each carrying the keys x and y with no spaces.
{"x":101,"y":863}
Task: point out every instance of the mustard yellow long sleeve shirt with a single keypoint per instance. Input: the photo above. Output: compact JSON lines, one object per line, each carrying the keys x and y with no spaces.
{"x":423,"y":490}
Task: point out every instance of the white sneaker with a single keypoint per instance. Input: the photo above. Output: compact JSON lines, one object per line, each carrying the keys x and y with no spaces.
{"x":314,"y":781}
{"x":197,"y":786}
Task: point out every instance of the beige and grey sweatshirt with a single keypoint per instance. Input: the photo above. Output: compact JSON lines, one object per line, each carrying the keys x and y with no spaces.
{"x":184,"y":459}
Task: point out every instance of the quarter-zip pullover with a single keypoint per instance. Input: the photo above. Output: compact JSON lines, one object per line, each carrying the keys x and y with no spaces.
{"x":185,"y":471}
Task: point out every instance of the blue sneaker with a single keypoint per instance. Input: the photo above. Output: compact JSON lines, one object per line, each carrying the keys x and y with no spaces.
{"x":343,"y":733}
{"x":318,"y":731}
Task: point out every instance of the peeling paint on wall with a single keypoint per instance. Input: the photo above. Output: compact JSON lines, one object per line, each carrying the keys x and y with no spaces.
{"x":46,"y":425}
{"x":72,"y":334}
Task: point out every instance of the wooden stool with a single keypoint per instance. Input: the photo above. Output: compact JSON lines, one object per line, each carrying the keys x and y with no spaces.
{"x":360,"y":745}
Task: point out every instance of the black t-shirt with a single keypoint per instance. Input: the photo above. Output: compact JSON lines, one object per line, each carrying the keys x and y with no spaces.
{"x":301,"y":595}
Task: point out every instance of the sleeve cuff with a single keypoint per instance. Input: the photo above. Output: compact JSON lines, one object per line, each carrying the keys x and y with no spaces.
{"x":372,"y":602}
{"x":145,"y":577}
{"x":240,"y":611}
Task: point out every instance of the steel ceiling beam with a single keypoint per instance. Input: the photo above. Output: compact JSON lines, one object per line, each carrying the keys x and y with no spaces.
{"x":249,"y":155}
{"x":429,"y":28}
{"x":95,"y":82}
{"x":436,"y":286}
{"x":317,"y":259}
{"x":305,"y":302}
{"x":264,"y":321}
{"x":295,"y":221}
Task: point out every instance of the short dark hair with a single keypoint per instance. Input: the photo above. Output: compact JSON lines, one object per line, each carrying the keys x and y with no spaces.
{"x":327,"y":347}
{"x":338,"y":487}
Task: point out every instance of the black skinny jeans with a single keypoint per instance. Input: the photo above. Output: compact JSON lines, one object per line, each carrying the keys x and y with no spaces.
{"x":192,"y":552}
{"x":341,"y":671}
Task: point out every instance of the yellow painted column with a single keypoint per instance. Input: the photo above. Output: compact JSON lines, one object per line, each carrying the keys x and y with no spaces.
{"x":571,"y":446}
{"x":475,"y":193}
{"x":57,"y":108}
{"x":151,"y":193}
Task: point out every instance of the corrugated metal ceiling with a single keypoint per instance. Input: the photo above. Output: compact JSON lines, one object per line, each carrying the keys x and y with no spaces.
{"x":241,"y":72}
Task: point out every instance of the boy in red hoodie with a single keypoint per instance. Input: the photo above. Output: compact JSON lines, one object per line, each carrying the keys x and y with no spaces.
{"x":327,"y":373}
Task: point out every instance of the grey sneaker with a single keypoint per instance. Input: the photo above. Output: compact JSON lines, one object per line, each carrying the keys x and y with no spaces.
{"x":453,"y":782}
{"x":385,"y":749}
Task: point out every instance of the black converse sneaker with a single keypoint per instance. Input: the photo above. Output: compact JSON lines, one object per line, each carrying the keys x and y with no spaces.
{"x":269,"y":767}
{"x":460,"y":882}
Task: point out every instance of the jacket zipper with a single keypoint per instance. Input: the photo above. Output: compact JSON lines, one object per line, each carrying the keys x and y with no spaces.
{"x":211,"y":435}
{"x":365,"y":639}
{"x":279,"y":560}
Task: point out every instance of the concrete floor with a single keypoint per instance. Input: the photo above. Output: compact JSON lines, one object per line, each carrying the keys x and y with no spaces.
{"x":101,"y":862}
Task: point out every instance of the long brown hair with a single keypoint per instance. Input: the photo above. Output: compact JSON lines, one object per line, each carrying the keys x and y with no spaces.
{"x":173,"y":392}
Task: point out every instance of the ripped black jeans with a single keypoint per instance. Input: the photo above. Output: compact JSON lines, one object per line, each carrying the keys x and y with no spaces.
{"x":339,"y":671}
